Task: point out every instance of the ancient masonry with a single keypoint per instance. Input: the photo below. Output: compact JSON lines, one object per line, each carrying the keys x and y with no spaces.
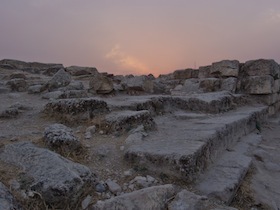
{"x":183,"y":140}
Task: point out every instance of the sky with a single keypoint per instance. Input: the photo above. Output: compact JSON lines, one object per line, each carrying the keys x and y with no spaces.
{"x":139,"y":36}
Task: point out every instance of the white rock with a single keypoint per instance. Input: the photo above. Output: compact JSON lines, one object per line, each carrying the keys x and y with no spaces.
{"x":86,"y":202}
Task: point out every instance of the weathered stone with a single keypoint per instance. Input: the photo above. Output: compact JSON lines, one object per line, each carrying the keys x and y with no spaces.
{"x":75,"y":94}
{"x":7,"y":200}
{"x":267,"y":99}
{"x":186,"y":200}
{"x":192,"y":86}
{"x":18,"y":76}
{"x":229,"y":84}
{"x":78,"y":109}
{"x":100,"y":84}
{"x":261,"y":67}
{"x":258,"y":84}
{"x":138,"y":83}
{"x":204,"y":72}
{"x":79,"y":71}
{"x":19,"y":85}
{"x":148,"y":198}
{"x":56,"y":178}
{"x":61,"y":136}
{"x":183,"y":74}
{"x":114,"y":187}
{"x":34,"y":89}
{"x":126,"y":120}
{"x":225,"y":68}
{"x":9,"y":113}
{"x":60,"y":79}
{"x":182,"y":151}
{"x":54,"y":95}
{"x":210,"y":84}
{"x":32,"y":67}
{"x":74,"y":85}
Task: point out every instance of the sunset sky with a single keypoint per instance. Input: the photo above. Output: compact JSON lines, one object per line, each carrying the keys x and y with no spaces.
{"x":139,"y":36}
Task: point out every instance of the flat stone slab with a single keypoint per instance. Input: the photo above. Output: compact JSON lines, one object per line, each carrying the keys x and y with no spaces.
{"x":215,"y":102}
{"x":76,"y":109}
{"x":122,"y":121}
{"x":222,"y":179}
{"x":56,"y":178}
{"x":184,"y":148}
{"x":148,"y":198}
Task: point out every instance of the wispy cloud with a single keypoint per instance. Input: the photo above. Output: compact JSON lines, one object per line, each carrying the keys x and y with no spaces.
{"x":125,"y":61}
{"x":273,"y":16}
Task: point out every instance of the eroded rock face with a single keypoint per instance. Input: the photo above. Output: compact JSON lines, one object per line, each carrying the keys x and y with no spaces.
{"x":56,"y":178}
{"x":58,"y":135}
{"x":184,"y":74}
{"x":7,"y":200}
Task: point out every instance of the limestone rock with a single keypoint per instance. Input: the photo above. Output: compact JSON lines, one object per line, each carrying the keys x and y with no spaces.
{"x":138,"y":83}
{"x":19,"y":85}
{"x":56,"y":178}
{"x":58,"y":135}
{"x":60,"y":79}
{"x":78,"y":109}
{"x":210,"y":84}
{"x":225,"y":68}
{"x":126,"y":120}
{"x":54,"y":95}
{"x":183,"y":74}
{"x":261,"y":67}
{"x":148,"y":198}
{"x":258,"y":84}
{"x":100,"y":84}
{"x":114,"y":187}
{"x":204,"y":72}
{"x":79,"y":70}
{"x":34,"y":89}
{"x":229,"y":84}
{"x":7,"y":200}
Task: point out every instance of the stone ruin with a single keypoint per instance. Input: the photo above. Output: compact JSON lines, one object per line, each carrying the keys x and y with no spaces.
{"x":187,"y":136}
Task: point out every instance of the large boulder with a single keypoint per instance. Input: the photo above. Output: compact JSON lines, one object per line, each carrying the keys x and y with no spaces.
{"x":80,"y":71}
{"x":261,"y":67}
{"x":14,"y":64}
{"x":155,"y":197}
{"x":100,"y":84}
{"x":60,"y":79}
{"x":138,"y":83}
{"x":59,"y":136}
{"x":57,"y":179}
{"x":225,"y":68}
{"x":7,"y":200}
